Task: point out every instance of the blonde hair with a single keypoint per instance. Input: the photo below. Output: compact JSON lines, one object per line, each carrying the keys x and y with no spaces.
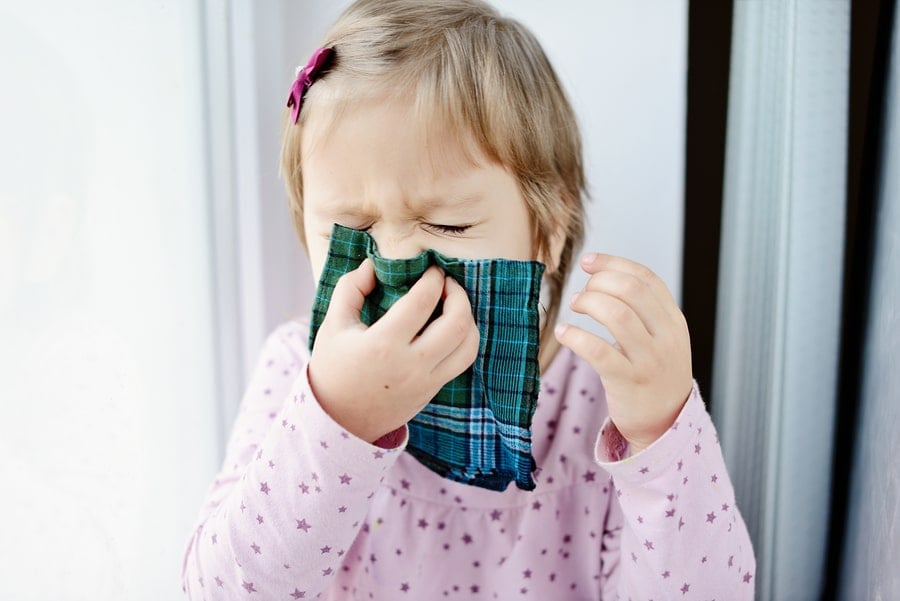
{"x":478,"y":73}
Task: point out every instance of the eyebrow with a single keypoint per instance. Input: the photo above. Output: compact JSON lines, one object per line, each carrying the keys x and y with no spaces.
{"x":439,"y":202}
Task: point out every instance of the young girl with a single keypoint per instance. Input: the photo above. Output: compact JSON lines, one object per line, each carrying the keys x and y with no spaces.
{"x":440,"y":125}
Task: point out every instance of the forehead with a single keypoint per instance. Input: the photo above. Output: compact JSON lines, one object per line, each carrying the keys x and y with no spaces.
{"x":433,"y":121}
{"x":374,"y":161}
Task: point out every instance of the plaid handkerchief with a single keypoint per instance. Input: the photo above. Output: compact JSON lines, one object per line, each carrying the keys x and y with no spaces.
{"x":477,"y":430}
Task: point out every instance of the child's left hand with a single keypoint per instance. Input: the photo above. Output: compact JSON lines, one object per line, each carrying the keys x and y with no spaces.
{"x":647,"y":372}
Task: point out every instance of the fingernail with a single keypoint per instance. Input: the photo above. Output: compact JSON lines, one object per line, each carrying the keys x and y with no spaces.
{"x":560,"y":329}
{"x":574,"y":298}
{"x":588,"y":259}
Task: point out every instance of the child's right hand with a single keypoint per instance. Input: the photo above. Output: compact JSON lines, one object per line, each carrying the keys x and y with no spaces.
{"x":374,"y":379}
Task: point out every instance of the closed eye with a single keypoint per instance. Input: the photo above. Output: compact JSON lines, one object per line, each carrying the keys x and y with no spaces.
{"x":448,"y":230}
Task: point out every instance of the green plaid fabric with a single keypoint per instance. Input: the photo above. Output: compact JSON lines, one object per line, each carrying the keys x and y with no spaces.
{"x":477,"y":430}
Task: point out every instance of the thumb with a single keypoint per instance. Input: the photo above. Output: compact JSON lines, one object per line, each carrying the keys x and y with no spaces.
{"x":350,"y":294}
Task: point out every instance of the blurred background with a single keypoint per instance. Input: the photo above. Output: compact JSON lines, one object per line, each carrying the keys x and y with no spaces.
{"x":748,"y":153}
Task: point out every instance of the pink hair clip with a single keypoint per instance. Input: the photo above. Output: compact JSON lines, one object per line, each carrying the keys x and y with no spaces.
{"x":306,"y":76}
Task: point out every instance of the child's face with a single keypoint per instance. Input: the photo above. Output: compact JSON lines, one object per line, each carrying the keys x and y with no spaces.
{"x":372,"y":170}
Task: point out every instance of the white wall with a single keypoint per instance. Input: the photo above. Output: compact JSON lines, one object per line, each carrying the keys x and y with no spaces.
{"x":624,"y":65}
{"x":106,"y":376}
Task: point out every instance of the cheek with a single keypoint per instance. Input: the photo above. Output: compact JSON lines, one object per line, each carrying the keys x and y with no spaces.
{"x":317,"y":251}
{"x":514,"y":245}
{"x":518,"y":238}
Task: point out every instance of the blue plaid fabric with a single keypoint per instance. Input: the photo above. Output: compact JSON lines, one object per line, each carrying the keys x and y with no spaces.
{"x":477,"y":430}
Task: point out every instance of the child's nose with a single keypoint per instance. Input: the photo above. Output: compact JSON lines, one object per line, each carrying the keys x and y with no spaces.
{"x":399,"y":245}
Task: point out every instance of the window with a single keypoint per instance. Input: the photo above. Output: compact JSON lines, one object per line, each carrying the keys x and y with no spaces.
{"x":108,"y":377}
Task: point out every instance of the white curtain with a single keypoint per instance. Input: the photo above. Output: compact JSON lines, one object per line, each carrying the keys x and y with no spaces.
{"x":107,"y":369}
{"x":780,"y":277}
{"x":872,"y":553}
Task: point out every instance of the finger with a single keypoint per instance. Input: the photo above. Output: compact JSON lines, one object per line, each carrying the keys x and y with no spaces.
{"x":458,"y":361}
{"x":448,"y":331}
{"x":459,"y":318}
{"x":350,"y":293}
{"x":600,"y":354}
{"x":407,"y":316}
{"x":634,"y":292}
{"x":618,"y":317}
{"x":595,"y":262}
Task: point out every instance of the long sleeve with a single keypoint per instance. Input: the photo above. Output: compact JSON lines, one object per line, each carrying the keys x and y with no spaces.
{"x":681,"y":533}
{"x":292,"y":494}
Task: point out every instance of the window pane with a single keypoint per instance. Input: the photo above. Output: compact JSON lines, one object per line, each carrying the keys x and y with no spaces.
{"x":106,"y":375}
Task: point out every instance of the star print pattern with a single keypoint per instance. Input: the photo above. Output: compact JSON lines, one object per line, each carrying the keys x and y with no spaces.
{"x":302,"y":509}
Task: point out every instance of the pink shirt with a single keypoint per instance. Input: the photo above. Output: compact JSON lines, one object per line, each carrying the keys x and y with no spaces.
{"x":301,"y":509}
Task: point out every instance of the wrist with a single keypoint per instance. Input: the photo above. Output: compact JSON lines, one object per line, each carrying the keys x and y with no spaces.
{"x":356,"y":425}
{"x":341,"y":411}
{"x":635,"y":448}
{"x":637,"y":444}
